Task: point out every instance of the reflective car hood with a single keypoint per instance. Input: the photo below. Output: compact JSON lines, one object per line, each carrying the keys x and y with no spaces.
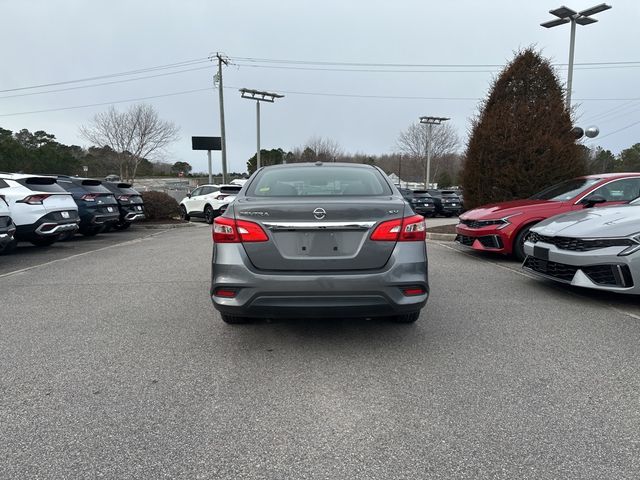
{"x":499,"y":210}
{"x":619,"y":221}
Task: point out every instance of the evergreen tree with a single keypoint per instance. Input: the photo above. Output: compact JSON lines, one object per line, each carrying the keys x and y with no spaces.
{"x":521,"y":140}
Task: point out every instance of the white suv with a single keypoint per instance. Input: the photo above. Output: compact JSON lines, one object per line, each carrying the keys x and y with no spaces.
{"x":208,"y":201}
{"x":7,"y":228}
{"x":40,"y":208}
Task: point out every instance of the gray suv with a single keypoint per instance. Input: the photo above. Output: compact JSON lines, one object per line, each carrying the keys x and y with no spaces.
{"x":319,"y":240}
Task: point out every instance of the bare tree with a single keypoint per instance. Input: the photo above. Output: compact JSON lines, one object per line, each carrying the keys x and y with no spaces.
{"x":413,"y":142}
{"x":326,"y":149}
{"x":134,"y":135}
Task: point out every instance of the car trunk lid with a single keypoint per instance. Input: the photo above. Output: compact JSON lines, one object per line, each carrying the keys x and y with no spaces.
{"x":319,"y":234}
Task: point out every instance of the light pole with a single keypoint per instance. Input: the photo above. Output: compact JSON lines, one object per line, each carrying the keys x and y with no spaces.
{"x":430,"y":122}
{"x":258,"y":96}
{"x":566,"y":15}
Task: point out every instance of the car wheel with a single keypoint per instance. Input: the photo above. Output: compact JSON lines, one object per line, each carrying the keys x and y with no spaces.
{"x":10,"y":247}
{"x":44,"y":241}
{"x":233,"y":320}
{"x":405,"y":318}
{"x":91,"y":231}
{"x":183,"y":213}
{"x":518,"y":243}
{"x":107,"y":228}
{"x":208,"y":214}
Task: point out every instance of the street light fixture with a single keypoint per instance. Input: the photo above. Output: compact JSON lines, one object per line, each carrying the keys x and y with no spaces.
{"x":258,"y":96}
{"x":430,"y":122}
{"x":566,"y":15}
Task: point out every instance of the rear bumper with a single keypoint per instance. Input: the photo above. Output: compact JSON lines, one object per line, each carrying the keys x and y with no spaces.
{"x":319,"y":294}
{"x":131,"y":213}
{"x":424,"y":209}
{"x":49,"y":225}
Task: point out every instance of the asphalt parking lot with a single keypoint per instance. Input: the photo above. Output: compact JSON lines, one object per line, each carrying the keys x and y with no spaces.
{"x":115,"y":365}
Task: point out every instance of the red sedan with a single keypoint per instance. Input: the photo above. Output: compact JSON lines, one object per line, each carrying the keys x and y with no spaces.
{"x":503,"y":227}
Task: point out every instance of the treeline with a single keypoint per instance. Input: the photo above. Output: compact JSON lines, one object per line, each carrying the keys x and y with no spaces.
{"x":444,"y":169}
{"x":39,"y":152}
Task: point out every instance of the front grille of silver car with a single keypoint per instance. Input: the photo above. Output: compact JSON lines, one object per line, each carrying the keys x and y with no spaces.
{"x":579,"y":244}
{"x":611,"y":275}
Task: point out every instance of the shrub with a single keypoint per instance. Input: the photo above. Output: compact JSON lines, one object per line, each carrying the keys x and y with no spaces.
{"x":521,"y":140}
{"x":159,"y":206}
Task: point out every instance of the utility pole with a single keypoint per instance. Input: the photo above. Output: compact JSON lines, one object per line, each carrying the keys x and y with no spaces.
{"x":222,"y":59}
{"x":429,"y":122}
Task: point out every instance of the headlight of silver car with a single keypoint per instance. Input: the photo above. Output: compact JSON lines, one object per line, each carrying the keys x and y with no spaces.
{"x":635,"y":238}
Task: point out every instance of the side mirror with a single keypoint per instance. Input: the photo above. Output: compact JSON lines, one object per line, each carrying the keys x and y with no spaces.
{"x":189,"y":195}
{"x":592,"y":200}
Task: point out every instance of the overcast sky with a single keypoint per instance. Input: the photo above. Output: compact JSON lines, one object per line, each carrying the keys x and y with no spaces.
{"x":47,"y":42}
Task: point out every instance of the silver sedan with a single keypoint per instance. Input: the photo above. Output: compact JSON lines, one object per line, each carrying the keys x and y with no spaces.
{"x":319,"y":240}
{"x":594,"y":248}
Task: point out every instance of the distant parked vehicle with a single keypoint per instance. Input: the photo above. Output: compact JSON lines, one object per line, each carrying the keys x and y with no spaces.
{"x":420,"y":200}
{"x":7,"y":228}
{"x":97,"y":206}
{"x":130,"y":204}
{"x":447,"y":202}
{"x":207,"y":201}
{"x":40,"y":208}
{"x":502,"y":227}
{"x":112,"y":178}
{"x":595,"y":248}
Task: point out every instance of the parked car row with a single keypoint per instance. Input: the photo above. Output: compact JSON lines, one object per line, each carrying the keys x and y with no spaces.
{"x":584,"y":232}
{"x":43,"y":209}
{"x":432,"y":202}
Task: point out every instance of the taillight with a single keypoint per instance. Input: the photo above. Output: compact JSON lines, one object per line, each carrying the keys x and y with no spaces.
{"x":4,"y":200}
{"x":34,"y":199}
{"x":408,"y":229}
{"x":228,"y":230}
{"x":89,"y":197}
{"x":220,"y":197}
{"x":123,"y":198}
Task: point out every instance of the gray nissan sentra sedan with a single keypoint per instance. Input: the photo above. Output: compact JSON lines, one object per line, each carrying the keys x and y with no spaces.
{"x":319,"y":240}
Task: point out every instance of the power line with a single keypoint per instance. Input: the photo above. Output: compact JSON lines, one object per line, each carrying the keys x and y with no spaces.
{"x":111,"y":75}
{"x":407,"y":65}
{"x":387,"y":70}
{"x":78,"y":87}
{"x":290,"y":92}
{"x":107,"y":103}
{"x":619,"y":130}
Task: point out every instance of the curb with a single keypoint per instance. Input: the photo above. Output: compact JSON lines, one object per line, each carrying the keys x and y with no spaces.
{"x":163,"y":226}
{"x":443,"y":237}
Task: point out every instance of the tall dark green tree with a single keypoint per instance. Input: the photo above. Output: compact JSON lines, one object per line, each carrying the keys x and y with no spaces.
{"x":630,"y":159}
{"x":267,"y":157}
{"x":521,"y":140}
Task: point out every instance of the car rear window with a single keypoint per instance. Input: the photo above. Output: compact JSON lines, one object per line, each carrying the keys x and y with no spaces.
{"x":325,"y":180}
{"x":41,"y":184}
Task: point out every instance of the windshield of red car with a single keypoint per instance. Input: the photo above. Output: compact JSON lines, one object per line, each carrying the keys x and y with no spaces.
{"x":566,"y":190}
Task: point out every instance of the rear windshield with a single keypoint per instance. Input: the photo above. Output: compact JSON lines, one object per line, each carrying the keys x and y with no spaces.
{"x":566,"y":190}
{"x":41,"y":184}
{"x":322,"y":180}
{"x":79,"y":187}
{"x":120,"y":188}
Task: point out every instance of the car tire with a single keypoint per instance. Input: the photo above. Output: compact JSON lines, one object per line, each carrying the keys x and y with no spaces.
{"x":233,"y":320}
{"x":183,"y":213}
{"x":9,"y":247}
{"x":91,"y":231}
{"x":518,"y":243}
{"x":44,"y":241}
{"x":405,"y":318}
{"x":209,"y":214}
